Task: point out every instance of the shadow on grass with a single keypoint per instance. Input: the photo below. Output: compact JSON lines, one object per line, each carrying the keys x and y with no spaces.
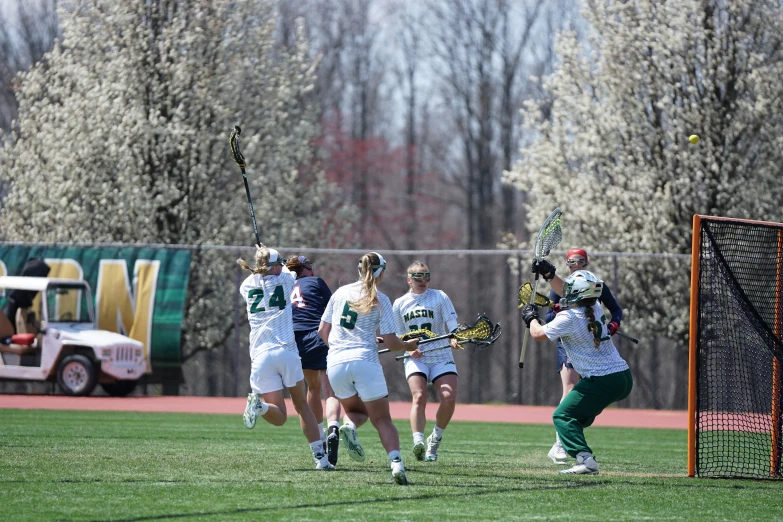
{"x":364,"y":501}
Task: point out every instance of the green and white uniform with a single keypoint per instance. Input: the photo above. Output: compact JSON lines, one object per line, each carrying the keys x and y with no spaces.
{"x":274,"y":357}
{"x":431,"y":310}
{"x":352,"y":363}
{"x":606,"y":377}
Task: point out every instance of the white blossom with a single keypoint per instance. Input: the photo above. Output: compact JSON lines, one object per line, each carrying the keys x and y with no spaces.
{"x":122,"y":136}
{"x":610,"y":144}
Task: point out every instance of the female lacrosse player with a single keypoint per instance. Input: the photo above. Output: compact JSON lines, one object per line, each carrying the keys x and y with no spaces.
{"x":424,"y":308}
{"x":576,"y":259}
{"x":274,"y":357}
{"x":348,"y":326}
{"x":583,"y":330}
{"x":308,"y":302}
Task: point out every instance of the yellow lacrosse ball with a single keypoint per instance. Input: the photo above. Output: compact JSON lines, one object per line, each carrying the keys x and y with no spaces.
{"x":693,"y":139}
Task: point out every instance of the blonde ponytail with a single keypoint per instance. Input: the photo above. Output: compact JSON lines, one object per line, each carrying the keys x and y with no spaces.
{"x":262,"y":262}
{"x":369,"y":296}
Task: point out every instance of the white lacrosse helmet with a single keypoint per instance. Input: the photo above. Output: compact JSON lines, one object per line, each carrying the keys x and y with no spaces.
{"x":580,"y":285}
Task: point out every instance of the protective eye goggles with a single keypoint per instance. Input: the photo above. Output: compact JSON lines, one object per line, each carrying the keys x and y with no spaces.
{"x":420,"y":276}
{"x":576,"y":262}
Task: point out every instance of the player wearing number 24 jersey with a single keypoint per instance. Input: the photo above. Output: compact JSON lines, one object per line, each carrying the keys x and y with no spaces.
{"x":274,"y":358}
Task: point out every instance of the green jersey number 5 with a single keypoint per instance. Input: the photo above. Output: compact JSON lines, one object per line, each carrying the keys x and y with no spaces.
{"x":349,"y":317}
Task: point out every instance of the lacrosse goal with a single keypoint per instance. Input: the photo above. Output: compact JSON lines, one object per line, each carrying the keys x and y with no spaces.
{"x":736,"y":349}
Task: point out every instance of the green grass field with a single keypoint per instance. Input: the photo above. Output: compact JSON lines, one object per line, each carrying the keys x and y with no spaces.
{"x":62,"y":465}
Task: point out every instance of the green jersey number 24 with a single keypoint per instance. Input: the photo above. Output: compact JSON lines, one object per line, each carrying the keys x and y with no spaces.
{"x":276,"y":300}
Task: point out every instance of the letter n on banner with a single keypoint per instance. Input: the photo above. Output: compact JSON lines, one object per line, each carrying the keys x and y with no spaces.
{"x":125,"y":308}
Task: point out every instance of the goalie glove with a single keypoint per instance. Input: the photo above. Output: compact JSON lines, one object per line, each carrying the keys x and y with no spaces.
{"x":529,"y":312}
{"x":544,"y":268}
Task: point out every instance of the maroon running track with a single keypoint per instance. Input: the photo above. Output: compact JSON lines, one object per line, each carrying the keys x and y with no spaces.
{"x":617,"y":417}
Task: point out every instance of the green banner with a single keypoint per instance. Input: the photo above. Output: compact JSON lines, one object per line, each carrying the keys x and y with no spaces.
{"x":138,"y":292}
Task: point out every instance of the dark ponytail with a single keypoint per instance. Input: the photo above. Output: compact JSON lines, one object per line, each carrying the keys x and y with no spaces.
{"x":592,"y":324}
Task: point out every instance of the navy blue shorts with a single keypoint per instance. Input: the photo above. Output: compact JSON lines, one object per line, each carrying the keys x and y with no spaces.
{"x":312,"y":350}
{"x":562,"y":358}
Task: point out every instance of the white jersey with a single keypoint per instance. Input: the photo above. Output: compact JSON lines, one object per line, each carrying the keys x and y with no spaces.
{"x":431,"y":310}
{"x":570,"y":326}
{"x":353,"y":335}
{"x":269,"y":311}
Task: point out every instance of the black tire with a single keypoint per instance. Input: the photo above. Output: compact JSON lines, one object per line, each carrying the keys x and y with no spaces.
{"x":77,"y":375}
{"x":119,"y":388}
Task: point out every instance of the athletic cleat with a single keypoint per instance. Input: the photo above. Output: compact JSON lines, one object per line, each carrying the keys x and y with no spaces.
{"x":398,"y":472}
{"x":332,"y":445}
{"x":432,"y":449}
{"x":558,"y":454}
{"x":355,"y":450}
{"x":584,"y":466}
{"x":251,"y":411}
{"x":322,"y":462}
{"x":418,"y":450}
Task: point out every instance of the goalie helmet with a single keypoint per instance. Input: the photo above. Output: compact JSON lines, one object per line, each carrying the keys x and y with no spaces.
{"x":580,"y":285}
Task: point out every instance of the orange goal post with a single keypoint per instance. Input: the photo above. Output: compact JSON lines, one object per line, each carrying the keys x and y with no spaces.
{"x":736,"y":349}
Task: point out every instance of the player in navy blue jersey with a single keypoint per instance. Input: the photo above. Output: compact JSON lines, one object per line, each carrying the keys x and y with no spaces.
{"x":576,"y":259}
{"x":308,"y":301}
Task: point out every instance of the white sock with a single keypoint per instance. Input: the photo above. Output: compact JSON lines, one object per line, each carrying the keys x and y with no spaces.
{"x":347,"y":422}
{"x":557,"y":438}
{"x":334,"y":423}
{"x":394,"y":454}
{"x":317,"y":447}
{"x":584,"y":454}
{"x":262,"y":408}
{"x":323,"y":434}
{"x":417,"y":437}
{"x":437,"y":433}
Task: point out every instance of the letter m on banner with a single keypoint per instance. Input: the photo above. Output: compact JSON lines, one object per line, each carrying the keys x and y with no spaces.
{"x":124,"y":305}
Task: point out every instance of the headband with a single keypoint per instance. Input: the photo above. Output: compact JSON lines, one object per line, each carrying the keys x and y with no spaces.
{"x":577,"y":251}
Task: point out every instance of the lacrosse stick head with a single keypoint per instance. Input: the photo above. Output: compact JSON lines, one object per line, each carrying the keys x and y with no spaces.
{"x":417,"y":334}
{"x":482,"y":333}
{"x":233,"y":142}
{"x":549,"y":235}
{"x":581,"y":285}
{"x":526,"y":291}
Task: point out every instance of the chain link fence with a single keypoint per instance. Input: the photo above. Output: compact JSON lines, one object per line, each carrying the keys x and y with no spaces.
{"x":478,"y":282}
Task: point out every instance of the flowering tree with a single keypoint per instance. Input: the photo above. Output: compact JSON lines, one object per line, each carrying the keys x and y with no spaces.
{"x":122,"y":135}
{"x":610,"y":146}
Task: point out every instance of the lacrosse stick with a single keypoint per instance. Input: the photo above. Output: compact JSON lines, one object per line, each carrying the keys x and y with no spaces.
{"x":482,"y":333}
{"x":233,"y":142}
{"x":548,"y":238}
{"x":526,"y":290}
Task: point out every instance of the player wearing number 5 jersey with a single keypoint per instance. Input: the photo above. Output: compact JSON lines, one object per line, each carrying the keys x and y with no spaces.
{"x":349,"y":325}
{"x":424,"y":308}
{"x":275,"y":362}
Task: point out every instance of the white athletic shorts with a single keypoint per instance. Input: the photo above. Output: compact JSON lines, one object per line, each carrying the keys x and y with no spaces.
{"x":430,"y":371}
{"x":363,"y":377}
{"x":273,"y":370}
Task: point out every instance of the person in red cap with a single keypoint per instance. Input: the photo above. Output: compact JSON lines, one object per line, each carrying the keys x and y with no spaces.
{"x":308,"y":302}
{"x":576,"y":259}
